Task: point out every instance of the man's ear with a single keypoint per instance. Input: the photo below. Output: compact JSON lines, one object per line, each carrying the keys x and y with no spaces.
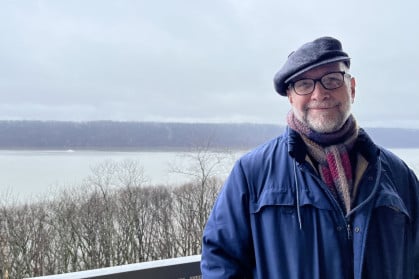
{"x":289,"y":95}
{"x":353,"y":85}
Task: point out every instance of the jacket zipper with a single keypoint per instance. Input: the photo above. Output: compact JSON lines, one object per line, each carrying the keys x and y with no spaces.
{"x":332,"y":198}
{"x":349,"y":230}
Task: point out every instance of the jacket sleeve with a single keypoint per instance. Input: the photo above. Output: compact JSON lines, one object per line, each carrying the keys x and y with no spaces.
{"x":415,"y":184}
{"x":226,"y":247}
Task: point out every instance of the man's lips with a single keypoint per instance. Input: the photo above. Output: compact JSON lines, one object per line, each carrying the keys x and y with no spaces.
{"x":323,"y":107}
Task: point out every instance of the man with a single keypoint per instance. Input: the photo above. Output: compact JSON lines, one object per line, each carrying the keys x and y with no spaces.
{"x":322,"y":200}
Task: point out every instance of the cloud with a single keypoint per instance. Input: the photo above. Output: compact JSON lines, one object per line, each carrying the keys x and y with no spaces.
{"x":195,"y":61}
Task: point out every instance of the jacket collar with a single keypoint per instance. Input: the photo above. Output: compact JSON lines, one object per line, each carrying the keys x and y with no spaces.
{"x":296,"y":146}
{"x":364,"y":145}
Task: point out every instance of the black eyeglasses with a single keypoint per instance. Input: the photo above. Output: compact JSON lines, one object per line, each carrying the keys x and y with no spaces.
{"x":329,"y":81}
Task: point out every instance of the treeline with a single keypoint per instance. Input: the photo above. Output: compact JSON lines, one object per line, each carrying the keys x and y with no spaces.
{"x":114,"y":218}
{"x":159,"y":135}
{"x":130,"y":135}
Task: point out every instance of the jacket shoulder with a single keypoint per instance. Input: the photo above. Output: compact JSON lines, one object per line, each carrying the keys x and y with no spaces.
{"x":401,"y":178}
{"x":267,"y":166}
{"x":264,"y":152}
{"x":392,"y":162}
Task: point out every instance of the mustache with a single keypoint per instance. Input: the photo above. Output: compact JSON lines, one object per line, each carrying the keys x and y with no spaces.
{"x":321,"y":105}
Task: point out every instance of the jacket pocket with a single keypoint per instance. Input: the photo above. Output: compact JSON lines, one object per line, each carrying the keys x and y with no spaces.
{"x":389,"y":246}
{"x":287,"y":200}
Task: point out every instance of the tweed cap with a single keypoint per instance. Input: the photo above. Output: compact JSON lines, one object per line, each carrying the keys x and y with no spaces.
{"x":321,"y":51}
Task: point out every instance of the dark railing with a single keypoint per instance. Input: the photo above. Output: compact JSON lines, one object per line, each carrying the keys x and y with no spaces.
{"x":176,"y":268}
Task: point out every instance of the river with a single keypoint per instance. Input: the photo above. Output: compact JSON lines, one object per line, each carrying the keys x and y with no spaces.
{"x":33,"y":174}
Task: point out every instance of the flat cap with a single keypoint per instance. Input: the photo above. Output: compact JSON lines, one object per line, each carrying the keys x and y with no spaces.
{"x":321,"y":51}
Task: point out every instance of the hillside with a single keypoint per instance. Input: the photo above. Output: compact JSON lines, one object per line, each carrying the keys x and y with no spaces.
{"x":160,"y":136}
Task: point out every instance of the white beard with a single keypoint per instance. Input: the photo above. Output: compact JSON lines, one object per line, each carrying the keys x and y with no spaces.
{"x":324,"y":123}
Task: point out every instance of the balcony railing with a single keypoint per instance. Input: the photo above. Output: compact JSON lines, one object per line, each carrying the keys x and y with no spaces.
{"x":176,"y":268}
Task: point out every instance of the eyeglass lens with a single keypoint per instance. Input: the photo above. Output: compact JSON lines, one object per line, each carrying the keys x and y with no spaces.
{"x":328,"y":81}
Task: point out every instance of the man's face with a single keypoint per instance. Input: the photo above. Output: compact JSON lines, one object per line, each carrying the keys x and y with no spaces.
{"x":324,"y":110}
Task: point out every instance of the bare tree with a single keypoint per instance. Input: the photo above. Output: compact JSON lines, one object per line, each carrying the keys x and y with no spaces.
{"x":194,"y":200}
{"x":28,"y":237}
{"x":192,"y":205}
{"x":66,"y":223}
{"x":131,"y":177}
{"x":114,"y":217}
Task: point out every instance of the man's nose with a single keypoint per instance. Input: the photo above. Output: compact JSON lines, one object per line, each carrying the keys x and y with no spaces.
{"x":319,"y":91}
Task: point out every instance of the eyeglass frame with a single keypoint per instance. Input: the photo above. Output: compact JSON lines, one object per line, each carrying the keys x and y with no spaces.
{"x":343,"y":73}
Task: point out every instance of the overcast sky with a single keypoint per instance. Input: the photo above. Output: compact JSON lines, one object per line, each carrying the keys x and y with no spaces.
{"x":194,"y":60}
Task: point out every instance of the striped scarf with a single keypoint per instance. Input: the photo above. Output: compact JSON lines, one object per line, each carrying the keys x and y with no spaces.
{"x":331,"y":151}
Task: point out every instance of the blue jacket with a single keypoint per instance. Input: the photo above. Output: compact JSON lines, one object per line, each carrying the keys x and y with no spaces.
{"x":275,"y":218}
